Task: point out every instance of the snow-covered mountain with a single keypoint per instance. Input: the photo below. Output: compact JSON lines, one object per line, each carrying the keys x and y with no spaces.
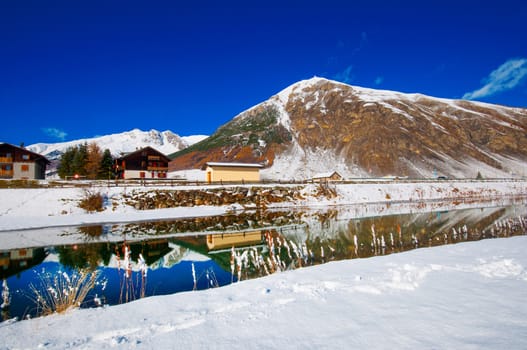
{"x":319,"y":125}
{"x":166,"y":142}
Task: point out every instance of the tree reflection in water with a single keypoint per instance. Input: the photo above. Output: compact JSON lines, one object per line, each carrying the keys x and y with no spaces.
{"x":225,"y":249}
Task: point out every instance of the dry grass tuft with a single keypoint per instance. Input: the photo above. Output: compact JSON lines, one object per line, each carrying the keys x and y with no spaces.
{"x":61,"y":292}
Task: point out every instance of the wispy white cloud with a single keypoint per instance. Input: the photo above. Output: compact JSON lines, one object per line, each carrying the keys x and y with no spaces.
{"x":362,"y":43}
{"x":506,"y":77}
{"x":56,"y":133}
{"x":346,"y":76}
{"x":379,"y":80}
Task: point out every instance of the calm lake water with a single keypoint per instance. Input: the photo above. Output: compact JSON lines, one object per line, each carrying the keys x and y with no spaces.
{"x":142,"y":259}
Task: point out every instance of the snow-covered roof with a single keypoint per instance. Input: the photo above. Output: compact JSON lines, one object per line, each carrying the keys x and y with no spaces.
{"x":147,"y":148}
{"x":324,"y":175}
{"x":37,"y":155}
{"x":245,"y":165}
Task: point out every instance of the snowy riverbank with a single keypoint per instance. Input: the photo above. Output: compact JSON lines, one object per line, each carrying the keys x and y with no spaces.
{"x":463,"y":296}
{"x":46,"y":207}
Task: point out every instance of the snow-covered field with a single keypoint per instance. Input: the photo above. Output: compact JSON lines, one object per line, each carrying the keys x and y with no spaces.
{"x":463,"y":296}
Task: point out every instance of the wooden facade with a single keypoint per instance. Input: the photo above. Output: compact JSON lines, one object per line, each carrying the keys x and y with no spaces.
{"x":145,"y":163}
{"x":20,"y":163}
{"x":232,"y":172}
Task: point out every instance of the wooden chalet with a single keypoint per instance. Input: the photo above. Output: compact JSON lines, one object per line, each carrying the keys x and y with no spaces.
{"x":20,"y":163}
{"x":145,"y":163}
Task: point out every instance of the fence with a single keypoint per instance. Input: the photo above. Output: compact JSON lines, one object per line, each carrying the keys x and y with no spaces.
{"x":183,"y":182}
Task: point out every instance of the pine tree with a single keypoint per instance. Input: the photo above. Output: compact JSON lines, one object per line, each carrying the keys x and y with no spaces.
{"x":66,"y":161}
{"x":106,"y":170}
{"x":79,"y":159}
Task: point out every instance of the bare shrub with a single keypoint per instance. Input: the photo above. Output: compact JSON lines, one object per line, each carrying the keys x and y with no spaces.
{"x":92,"y":201}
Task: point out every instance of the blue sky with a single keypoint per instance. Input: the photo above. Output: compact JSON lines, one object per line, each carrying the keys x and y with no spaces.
{"x":78,"y":69}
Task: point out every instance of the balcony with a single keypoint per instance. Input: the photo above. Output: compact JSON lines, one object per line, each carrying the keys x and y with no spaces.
{"x":157,"y":168}
{"x":6,"y":174}
{"x":6,"y":159}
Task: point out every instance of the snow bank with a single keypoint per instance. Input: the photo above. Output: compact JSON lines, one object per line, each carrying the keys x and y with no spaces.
{"x":50,"y":207}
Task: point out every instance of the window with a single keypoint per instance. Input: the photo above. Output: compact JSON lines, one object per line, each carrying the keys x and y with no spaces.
{"x":25,"y":156}
{"x":24,"y":167}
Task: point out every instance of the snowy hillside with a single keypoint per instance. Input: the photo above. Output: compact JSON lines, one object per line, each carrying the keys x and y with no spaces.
{"x":319,"y":125}
{"x":166,"y":142}
{"x":361,"y":132}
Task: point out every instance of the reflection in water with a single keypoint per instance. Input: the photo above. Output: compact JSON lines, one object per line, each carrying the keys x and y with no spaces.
{"x":164,"y":257}
{"x":6,"y":300}
{"x":14,"y":261}
{"x":130,"y":289}
{"x":324,"y":237}
{"x":225,"y":223}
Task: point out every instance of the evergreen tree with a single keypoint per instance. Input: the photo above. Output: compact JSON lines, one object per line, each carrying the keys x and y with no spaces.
{"x":66,"y":162}
{"x":80,"y":158}
{"x":86,"y":160}
{"x":106,"y":170}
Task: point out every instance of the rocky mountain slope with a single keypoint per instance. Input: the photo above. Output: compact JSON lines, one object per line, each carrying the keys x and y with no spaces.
{"x":319,"y":125}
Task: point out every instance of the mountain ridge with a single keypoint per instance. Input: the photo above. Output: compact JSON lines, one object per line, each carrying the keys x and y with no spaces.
{"x":327,"y":125}
{"x":164,"y":141}
{"x":319,"y":125}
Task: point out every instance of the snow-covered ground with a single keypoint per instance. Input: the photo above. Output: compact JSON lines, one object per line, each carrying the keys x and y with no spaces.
{"x":464,"y":296}
{"x":45,"y":207}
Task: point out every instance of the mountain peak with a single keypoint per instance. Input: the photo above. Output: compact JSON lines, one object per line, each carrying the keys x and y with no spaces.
{"x":318,"y":125}
{"x":297,"y":87}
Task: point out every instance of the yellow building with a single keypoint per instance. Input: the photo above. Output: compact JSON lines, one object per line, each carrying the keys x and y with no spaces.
{"x":218,"y":241}
{"x":232,"y":172}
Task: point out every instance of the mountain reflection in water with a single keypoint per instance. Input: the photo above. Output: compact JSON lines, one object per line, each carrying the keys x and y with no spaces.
{"x":200,"y":253}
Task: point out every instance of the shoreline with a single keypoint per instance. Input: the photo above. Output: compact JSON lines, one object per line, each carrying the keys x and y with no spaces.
{"x":26,"y":209}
